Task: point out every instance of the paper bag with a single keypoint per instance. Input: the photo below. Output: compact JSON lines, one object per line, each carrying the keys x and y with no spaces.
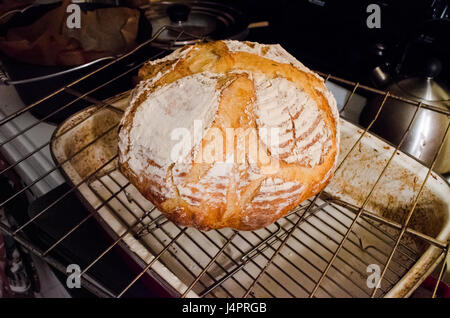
{"x":49,"y":41}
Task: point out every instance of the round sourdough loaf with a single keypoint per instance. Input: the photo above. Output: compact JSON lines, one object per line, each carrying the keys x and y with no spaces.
{"x":229,"y":134}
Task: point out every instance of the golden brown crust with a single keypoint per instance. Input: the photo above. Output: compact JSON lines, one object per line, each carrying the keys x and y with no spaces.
{"x":244,"y":205}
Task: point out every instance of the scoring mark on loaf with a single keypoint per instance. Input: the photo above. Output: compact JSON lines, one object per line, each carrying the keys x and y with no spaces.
{"x":304,"y":137}
{"x":273,"y":197}
{"x":274,"y":52}
{"x":277,"y":53}
{"x":212,"y":187}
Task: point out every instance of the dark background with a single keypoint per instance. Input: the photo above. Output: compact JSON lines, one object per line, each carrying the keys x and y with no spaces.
{"x":332,"y":36}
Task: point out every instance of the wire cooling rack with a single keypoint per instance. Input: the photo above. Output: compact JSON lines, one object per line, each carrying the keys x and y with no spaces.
{"x":323,"y":235}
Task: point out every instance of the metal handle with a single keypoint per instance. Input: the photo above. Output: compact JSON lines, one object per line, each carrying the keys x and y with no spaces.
{"x":4,"y":79}
{"x":260,"y":24}
{"x":14,"y":11}
{"x":178,"y":12}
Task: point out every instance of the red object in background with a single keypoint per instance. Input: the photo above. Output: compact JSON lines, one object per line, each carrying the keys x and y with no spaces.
{"x":443,"y":290}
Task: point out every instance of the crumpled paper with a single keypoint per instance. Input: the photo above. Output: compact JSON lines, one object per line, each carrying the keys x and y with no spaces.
{"x":49,"y":41}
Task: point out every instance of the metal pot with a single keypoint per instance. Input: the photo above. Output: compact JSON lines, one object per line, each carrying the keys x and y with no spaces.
{"x":198,"y":20}
{"x":429,"y":127}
